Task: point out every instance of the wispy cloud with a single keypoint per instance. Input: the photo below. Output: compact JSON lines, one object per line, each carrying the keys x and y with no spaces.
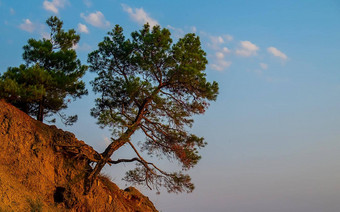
{"x":217,"y":42}
{"x":277,"y":53}
{"x":88,"y":3}
{"x":219,"y":55}
{"x":228,"y":37}
{"x":82,"y":47}
{"x":27,"y":26}
{"x":193,"y":29}
{"x":54,"y":5}
{"x":83,"y":28}
{"x":226,"y":50}
{"x":177,"y":32}
{"x":247,"y":49}
{"x":12,"y":11}
{"x":219,"y":63}
{"x":45,"y":35}
{"x":264,"y":66}
{"x":107,"y":140}
{"x":139,"y":15}
{"x":96,"y":19}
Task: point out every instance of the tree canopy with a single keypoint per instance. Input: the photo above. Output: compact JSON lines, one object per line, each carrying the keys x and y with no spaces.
{"x":51,"y":73}
{"x":149,"y":84}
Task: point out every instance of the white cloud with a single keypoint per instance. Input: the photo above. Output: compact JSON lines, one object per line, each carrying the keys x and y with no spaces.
{"x":177,"y":32}
{"x":139,"y":15}
{"x":264,"y":66}
{"x":96,"y":19}
{"x":219,"y":50}
{"x":88,"y":3}
{"x":277,"y":53}
{"x":226,"y":50}
{"x":54,"y":5}
{"x":36,"y":28}
{"x":219,"y":55}
{"x":193,"y":29}
{"x":82,"y":47}
{"x":216,"y":39}
{"x":247,"y":49}
{"x":217,"y":42}
{"x":107,"y":140}
{"x":45,"y":35}
{"x":83,"y":28}
{"x":12,"y":11}
{"x":27,"y":26}
{"x":220,"y":65}
{"x":228,"y":37}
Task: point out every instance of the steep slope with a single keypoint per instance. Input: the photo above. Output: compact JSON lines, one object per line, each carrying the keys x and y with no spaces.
{"x":42,"y":168}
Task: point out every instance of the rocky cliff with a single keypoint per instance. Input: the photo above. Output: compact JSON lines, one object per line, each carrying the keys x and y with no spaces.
{"x":42,"y":168}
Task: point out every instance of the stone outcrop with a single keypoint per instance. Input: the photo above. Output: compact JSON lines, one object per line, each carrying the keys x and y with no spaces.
{"x":42,"y":168}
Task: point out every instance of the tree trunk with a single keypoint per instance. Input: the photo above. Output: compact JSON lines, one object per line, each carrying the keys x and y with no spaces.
{"x":115,"y":145}
{"x":100,"y":165}
{"x":25,"y":108}
{"x":40,"y":115}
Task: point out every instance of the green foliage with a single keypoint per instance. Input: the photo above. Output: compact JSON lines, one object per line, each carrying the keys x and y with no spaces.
{"x":51,"y":74}
{"x":150,"y":84}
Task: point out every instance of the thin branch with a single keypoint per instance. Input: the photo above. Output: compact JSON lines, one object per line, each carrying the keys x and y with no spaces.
{"x":173,"y":97}
{"x":144,"y":162}
{"x":124,"y":161}
{"x":152,"y":137}
{"x":146,"y":179}
{"x":120,"y":69}
{"x":155,"y":125}
{"x":147,"y":163}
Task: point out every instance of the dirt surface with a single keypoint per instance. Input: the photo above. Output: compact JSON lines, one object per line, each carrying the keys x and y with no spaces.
{"x":42,"y":168}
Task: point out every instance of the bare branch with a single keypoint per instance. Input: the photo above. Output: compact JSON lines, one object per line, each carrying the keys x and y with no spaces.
{"x":152,"y":138}
{"x":124,"y":161}
{"x":174,"y":98}
{"x":156,"y":125}
{"x":143,"y":161}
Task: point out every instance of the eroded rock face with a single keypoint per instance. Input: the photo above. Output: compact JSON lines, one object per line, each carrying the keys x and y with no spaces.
{"x":43,"y":167}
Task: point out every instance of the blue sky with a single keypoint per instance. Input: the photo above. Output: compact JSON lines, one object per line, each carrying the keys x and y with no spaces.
{"x":273,"y":133}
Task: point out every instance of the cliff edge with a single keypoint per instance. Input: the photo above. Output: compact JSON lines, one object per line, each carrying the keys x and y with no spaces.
{"x":42,"y":168}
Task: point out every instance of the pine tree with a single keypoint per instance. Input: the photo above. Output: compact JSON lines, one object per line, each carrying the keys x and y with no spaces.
{"x":51,"y":73}
{"x":152,"y":85}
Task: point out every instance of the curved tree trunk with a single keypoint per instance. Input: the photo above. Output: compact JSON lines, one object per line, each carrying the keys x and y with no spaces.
{"x":106,"y":155}
{"x":116,"y":144}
